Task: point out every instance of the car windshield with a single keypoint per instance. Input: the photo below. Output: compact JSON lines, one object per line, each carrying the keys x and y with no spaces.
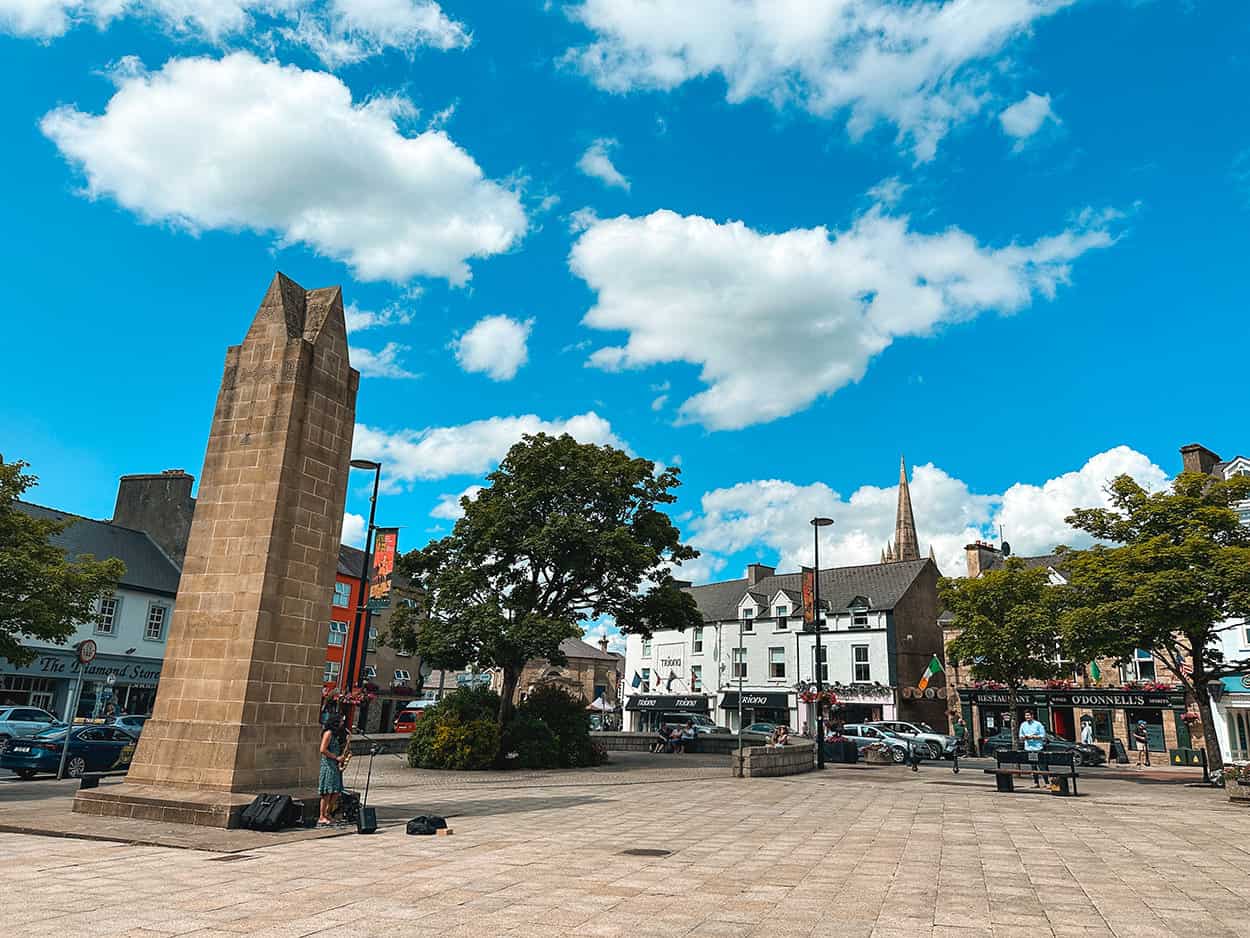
{"x":54,"y":732}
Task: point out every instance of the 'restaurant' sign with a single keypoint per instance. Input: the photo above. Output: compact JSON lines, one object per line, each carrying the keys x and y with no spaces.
{"x":1077,"y":697}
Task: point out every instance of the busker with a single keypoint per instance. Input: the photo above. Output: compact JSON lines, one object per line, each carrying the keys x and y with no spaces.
{"x":330,"y":778}
{"x":1033,"y":736}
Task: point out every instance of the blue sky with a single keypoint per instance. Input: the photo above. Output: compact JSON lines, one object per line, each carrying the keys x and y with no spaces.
{"x":1006,"y":238}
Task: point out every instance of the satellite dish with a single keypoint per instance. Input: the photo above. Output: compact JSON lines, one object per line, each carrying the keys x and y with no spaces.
{"x":1006,"y":549}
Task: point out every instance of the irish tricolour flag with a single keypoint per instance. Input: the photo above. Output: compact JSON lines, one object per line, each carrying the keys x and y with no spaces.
{"x":934,"y":669}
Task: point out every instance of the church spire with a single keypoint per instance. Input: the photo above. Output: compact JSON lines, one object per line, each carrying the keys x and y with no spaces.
{"x":906,"y":543}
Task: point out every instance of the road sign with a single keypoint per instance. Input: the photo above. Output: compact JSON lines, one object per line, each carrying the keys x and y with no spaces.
{"x":86,"y":651}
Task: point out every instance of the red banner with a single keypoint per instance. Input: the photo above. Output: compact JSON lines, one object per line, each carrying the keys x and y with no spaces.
{"x":809,"y":595}
{"x":385,"y":543}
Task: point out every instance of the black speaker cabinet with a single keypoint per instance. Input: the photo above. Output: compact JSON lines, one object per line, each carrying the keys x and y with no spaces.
{"x":367,"y":821}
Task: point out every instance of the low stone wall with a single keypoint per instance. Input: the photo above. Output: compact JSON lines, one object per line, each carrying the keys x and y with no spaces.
{"x":794,"y":758}
{"x":719,"y":743}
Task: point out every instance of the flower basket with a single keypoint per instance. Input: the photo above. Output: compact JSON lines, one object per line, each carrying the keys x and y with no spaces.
{"x":878,"y":755}
{"x":1237,"y":783}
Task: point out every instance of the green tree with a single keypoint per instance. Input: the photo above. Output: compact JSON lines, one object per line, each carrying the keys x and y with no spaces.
{"x":563,"y":533}
{"x":1179,"y":571}
{"x":43,"y":595}
{"x":1008,"y":622}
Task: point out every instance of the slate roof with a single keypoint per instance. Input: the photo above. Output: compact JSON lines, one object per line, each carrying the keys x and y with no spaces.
{"x":576,"y":648}
{"x":883,"y":583}
{"x":350,"y":559}
{"x":147,"y":566}
{"x":1043,"y":560}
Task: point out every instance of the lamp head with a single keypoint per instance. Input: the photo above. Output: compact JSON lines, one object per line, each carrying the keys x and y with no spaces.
{"x":366,"y":464}
{"x":822,"y":522}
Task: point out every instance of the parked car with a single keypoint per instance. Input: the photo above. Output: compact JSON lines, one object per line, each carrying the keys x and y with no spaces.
{"x":864,"y":735}
{"x":760,"y":729}
{"x":406,"y":720}
{"x":702,"y":724}
{"x":131,"y":724}
{"x":1086,"y":754}
{"x":939,"y":745}
{"x":24,"y":721}
{"x":91,"y":749}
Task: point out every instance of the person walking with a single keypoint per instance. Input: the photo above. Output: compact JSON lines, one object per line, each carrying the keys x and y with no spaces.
{"x":1141,"y":739}
{"x":330,"y":778}
{"x":1033,"y":736}
{"x":961,"y":735}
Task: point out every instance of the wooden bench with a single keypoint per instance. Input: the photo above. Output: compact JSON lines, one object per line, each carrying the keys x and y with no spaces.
{"x":1014,"y":763}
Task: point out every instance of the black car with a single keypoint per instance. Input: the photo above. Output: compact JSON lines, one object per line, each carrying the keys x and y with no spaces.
{"x":92,"y":748}
{"x":1085,"y":754}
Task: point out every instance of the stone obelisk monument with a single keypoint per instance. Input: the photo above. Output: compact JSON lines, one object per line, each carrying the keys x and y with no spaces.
{"x":237,"y":707}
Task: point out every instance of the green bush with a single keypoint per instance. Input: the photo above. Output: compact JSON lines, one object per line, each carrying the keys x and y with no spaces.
{"x":451,"y":734}
{"x":528,"y":743}
{"x":458,"y":745}
{"x":568,"y":721}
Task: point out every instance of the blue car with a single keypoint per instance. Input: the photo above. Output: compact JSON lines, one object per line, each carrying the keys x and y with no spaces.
{"x":91,"y":749}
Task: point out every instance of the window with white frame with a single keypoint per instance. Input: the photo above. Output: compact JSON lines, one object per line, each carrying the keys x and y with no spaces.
{"x":646,"y":680}
{"x":154,"y":628}
{"x":402,"y":676}
{"x":748,"y":619}
{"x":859,"y":617}
{"x":342,"y":595}
{"x":859,"y":661}
{"x":370,"y":672}
{"x":776,"y":663}
{"x":107,"y":623}
{"x":331,"y":674}
{"x":821,"y":655}
{"x":696,"y":643}
{"x":740,"y":663}
{"x":1245,"y":636}
{"x":338,"y":633}
{"x":781,"y":613}
{"x":1141,"y":667}
{"x":696,"y":678}
{"x":646,"y":648}
{"x":373,"y":639}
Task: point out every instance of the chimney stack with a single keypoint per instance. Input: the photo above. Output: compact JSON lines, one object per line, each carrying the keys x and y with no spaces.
{"x":160,"y":505}
{"x":982,"y":557}
{"x":603,"y":644}
{"x":757,"y":572}
{"x":1197,"y":458}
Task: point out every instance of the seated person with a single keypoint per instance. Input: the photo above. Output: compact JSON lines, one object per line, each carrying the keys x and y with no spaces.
{"x":781,"y":736}
{"x":663,"y":742}
{"x":686,"y":736}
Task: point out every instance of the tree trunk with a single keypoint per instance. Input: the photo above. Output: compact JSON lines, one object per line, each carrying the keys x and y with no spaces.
{"x":1215,"y":760}
{"x":511,"y":676}
{"x":1012,"y":729}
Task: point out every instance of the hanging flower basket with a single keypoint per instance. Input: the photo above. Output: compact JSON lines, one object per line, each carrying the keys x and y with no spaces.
{"x":1190,"y":718}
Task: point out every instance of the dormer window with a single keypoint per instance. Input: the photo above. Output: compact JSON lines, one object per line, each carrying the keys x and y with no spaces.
{"x":859,"y":612}
{"x":782,"y":612}
{"x":748,"y":619}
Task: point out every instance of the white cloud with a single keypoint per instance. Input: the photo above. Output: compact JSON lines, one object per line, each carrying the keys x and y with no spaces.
{"x":659,"y":402}
{"x":600,"y":628}
{"x":777,"y":320}
{"x":888,"y":192}
{"x":469,"y":449}
{"x":597,"y":164}
{"x":448,"y":506}
{"x":359,"y":319}
{"x":1025,"y":118}
{"x":337,"y":31}
{"x":277,"y":149}
{"x":771,"y":516}
{"x":380,"y":364}
{"x":922,"y":66}
{"x":495,"y":346}
{"x":353,"y":530}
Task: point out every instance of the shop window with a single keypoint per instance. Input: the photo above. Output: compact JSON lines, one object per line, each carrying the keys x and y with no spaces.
{"x":776,"y":662}
{"x":1102,"y":725}
{"x":154,"y":629}
{"x":859,"y":658}
{"x":696,"y":678}
{"x":646,"y":648}
{"x":740,"y":664}
{"x":1239,"y":734}
{"x":821,"y":655}
{"x":646,"y":680}
{"x":106,"y":623}
{"x":342,"y":595}
{"x":338,"y":633}
{"x":696,"y":643}
{"x":331,"y":674}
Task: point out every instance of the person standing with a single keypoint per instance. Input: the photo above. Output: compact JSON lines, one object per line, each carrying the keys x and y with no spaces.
{"x":1141,"y":739}
{"x":1033,"y":736}
{"x":961,"y":735}
{"x":330,"y":778}
{"x":1087,"y":731}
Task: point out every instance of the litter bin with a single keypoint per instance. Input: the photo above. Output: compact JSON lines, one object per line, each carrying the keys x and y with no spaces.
{"x":1179,"y":756}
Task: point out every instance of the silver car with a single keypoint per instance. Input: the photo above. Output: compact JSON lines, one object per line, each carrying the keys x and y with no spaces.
{"x":24,"y":721}
{"x":936,"y":745}
{"x":864,"y":735}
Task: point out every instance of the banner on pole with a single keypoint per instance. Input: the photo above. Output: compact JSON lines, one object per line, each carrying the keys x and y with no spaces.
{"x":809,"y":595}
{"x":385,"y":543}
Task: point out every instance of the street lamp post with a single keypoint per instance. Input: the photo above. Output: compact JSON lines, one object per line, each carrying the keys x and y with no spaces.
{"x":740,"y":651}
{"x":817,"y":524}
{"x":358,"y":646}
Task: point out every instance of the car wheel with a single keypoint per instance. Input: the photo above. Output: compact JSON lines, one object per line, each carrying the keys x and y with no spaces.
{"x":899,"y":755}
{"x":935,"y":751}
{"x":24,"y":773}
{"x":75,"y":766}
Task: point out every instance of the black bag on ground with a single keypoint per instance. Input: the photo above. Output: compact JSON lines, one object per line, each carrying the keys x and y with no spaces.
{"x":426,"y":824}
{"x":349,"y":806}
{"x":269,"y":812}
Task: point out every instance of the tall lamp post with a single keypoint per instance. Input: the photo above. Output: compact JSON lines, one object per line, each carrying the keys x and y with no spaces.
{"x":817,"y":524}
{"x":357,"y":647}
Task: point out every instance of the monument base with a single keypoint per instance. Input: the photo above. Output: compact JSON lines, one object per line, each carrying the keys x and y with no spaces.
{"x":176,"y":805}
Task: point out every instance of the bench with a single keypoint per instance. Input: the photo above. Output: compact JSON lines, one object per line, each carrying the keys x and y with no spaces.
{"x":1014,"y":763}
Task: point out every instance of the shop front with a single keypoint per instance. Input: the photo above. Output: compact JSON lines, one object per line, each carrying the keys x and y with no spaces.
{"x":1230,"y":706}
{"x":759,"y":706}
{"x":863,"y":703}
{"x":1112,"y":711}
{"x":112,"y":684}
{"x":644,"y":713}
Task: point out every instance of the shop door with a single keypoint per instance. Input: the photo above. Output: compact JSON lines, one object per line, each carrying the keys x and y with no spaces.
{"x":1064,"y":725}
{"x":1154,"y":728}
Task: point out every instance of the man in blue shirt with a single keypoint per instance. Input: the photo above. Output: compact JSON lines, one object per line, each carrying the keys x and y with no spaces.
{"x":1033,"y":736}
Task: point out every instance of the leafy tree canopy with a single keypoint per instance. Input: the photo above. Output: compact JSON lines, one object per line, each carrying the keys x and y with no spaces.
{"x":43,"y":595}
{"x":564,"y":532}
{"x":1008,"y":622}
{"x":1177,"y":572}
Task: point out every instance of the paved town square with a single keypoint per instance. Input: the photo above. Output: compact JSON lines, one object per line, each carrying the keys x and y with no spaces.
{"x":851,"y":851}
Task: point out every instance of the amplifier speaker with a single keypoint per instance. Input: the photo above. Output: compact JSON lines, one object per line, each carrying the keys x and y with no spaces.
{"x":367,"y":821}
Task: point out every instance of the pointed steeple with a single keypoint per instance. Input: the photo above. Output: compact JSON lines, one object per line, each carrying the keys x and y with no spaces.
{"x":906,"y":543}
{"x":931,"y":555}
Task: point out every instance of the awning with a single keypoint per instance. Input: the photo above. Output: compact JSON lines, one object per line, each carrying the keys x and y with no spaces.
{"x":687,"y":704}
{"x":751,"y":699}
